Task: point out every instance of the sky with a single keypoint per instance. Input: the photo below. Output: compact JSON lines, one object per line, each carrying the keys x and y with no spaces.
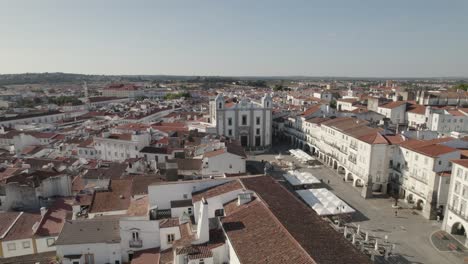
{"x":353,"y":38}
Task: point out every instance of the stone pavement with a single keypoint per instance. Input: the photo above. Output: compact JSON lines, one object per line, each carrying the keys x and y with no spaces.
{"x":443,"y":241}
{"x":409,"y":231}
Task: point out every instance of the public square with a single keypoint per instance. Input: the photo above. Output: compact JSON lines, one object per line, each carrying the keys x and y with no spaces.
{"x":409,"y":231}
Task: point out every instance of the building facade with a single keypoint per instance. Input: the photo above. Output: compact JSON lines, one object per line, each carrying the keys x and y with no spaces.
{"x":247,"y":121}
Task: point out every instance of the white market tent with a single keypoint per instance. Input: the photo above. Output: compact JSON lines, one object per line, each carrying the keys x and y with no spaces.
{"x":300,"y":178}
{"x":300,"y":155}
{"x":325,"y":202}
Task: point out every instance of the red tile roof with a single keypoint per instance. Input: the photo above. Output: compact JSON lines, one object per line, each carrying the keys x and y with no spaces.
{"x":311,"y":110}
{"x":55,"y":217}
{"x":6,"y":220}
{"x":169,"y":222}
{"x":394,"y":139}
{"x":257,"y":237}
{"x":392,"y":105}
{"x":461,"y":162}
{"x":431,"y":148}
{"x":217,"y":190}
{"x":416,"y":109}
{"x":146,"y":256}
{"x":116,"y":199}
{"x":311,"y":232}
{"x":23,"y":227}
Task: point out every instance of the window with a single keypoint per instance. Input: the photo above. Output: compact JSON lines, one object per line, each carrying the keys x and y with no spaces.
{"x":11,"y":246}
{"x":50,"y":242}
{"x":26,"y":244}
{"x":456,"y":187}
{"x":135,"y":236}
{"x":189,"y":210}
{"x":219,"y":212}
{"x":220,"y":105}
{"x":258,"y":131}
{"x":230,"y":166}
{"x":244,"y":120}
{"x":230,"y":121}
{"x":258,"y":120}
{"x":185,"y":196}
{"x":201,"y":261}
{"x":230,"y":132}
{"x":170,"y":238}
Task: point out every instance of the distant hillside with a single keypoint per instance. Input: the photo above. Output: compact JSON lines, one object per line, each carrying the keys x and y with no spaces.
{"x":58,"y":77}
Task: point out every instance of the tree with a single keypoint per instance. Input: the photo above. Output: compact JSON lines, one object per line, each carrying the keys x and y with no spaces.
{"x":278,"y":87}
{"x":172,"y":96}
{"x":461,"y":86}
{"x":333,"y":103}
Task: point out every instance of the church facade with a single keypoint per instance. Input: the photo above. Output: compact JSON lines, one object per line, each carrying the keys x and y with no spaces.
{"x":247,"y":121}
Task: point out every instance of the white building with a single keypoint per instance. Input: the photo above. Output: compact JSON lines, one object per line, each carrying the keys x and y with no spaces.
{"x":89,"y":241}
{"x":225,"y":160}
{"x":456,"y":214}
{"x":119,"y":147}
{"x":447,"y":120}
{"x":395,"y":111}
{"x":37,"y":118}
{"x":347,"y":104}
{"x":247,"y":121}
{"x":423,"y":170}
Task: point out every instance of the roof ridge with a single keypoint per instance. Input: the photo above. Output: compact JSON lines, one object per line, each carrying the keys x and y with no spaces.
{"x":11,"y":226}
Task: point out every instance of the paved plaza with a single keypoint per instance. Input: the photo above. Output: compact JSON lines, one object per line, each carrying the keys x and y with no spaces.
{"x":409,"y":231}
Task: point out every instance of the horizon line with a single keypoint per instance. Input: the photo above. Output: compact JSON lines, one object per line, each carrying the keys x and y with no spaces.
{"x":251,"y":76}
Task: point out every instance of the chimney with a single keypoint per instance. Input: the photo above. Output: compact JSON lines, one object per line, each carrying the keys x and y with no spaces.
{"x":203,"y":228}
{"x":243,"y":198}
{"x":43,"y":211}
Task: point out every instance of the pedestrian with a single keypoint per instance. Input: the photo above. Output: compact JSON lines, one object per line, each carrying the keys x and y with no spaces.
{"x":396,"y":213}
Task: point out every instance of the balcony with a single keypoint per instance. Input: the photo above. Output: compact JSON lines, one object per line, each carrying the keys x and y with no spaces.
{"x":353,"y":146}
{"x":396,"y":168}
{"x":137,"y":243}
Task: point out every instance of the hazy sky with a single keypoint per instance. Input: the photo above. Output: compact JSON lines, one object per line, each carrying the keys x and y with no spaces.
{"x":372,"y":38}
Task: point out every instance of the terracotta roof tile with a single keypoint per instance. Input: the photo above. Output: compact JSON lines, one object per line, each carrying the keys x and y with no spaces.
{"x":258,"y":238}
{"x":6,"y":220}
{"x":146,"y":256}
{"x":314,"y":235}
{"x":217,"y":190}
{"x":23,"y":227}
{"x":116,"y":199}
{"x":55,"y":217}
{"x":392,"y":105}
